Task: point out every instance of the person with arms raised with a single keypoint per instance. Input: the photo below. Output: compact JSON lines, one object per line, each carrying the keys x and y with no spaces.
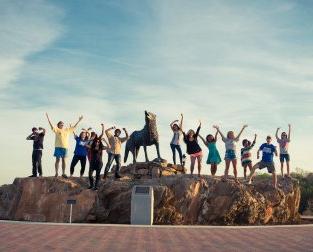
{"x":230,"y":154}
{"x":193,"y":148}
{"x":61,"y":143}
{"x":115,"y":142}
{"x":175,"y":143}
{"x":283,"y":149}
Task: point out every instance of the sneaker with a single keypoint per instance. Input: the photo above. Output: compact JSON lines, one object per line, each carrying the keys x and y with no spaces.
{"x":56,"y":175}
{"x":95,"y":188}
{"x":32,"y":176}
{"x":105,"y":176}
{"x":90,"y":187}
{"x":64,"y":176}
{"x":40,"y":175}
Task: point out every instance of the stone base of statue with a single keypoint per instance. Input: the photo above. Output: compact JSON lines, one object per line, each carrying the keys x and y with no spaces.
{"x":153,"y":169}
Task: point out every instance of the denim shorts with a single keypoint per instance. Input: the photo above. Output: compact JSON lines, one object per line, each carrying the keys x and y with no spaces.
{"x":60,"y":152}
{"x":246,"y":162}
{"x":283,"y":157}
{"x":230,"y":155}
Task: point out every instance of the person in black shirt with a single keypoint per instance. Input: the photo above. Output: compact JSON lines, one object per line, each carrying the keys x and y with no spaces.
{"x":193,"y":148}
{"x":96,"y":149}
{"x":37,"y":136}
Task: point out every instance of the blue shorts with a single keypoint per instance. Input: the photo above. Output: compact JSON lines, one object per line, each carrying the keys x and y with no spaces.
{"x":60,"y":152}
{"x":283,"y":157}
{"x":230,"y":155}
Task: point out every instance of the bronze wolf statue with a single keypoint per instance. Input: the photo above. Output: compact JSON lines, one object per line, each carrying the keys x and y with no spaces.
{"x":145,"y":137}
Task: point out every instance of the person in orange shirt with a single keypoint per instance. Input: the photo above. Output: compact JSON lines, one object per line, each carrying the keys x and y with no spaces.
{"x":61,"y":143}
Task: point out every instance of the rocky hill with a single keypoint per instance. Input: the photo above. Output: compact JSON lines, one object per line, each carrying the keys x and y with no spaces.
{"x":178,"y":199}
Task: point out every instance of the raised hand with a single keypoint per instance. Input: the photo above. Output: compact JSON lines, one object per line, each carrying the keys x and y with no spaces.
{"x":245,"y":126}
{"x":81,"y":118}
{"x":216,"y":127}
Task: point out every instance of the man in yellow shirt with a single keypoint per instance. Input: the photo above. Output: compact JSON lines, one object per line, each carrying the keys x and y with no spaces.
{"x":61,"y":143}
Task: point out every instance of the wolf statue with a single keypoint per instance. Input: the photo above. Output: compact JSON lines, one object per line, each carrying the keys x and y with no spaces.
{"x":145,"y":137}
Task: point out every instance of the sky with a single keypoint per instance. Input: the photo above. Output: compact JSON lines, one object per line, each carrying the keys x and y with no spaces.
{"x":224,"y":62}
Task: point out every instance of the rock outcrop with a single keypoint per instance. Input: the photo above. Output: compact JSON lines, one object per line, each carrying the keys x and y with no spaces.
{"x":178,"y":199}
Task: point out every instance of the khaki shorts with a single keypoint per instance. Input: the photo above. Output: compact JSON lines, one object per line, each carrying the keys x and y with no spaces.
{"x":269,"y":165}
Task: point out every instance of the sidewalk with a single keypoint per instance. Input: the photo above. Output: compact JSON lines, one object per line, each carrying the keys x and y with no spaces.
{"x":16,"y":236}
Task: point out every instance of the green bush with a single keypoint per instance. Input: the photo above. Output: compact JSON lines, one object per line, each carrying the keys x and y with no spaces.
{"x":306,"y":187}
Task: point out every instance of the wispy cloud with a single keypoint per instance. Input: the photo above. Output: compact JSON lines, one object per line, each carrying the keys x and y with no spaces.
{"x":26,"y":28}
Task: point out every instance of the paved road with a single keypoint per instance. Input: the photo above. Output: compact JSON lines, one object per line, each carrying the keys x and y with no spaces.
{"x":64,"y":237}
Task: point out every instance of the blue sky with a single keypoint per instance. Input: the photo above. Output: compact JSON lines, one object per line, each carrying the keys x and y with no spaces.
{"x":224,"y":62}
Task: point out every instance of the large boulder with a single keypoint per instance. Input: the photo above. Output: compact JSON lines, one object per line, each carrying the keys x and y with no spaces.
{"x":178,"y":199}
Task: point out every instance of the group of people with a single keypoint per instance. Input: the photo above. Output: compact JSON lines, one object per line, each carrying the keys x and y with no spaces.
{"x":195,"y":152}
{"x":90,"y":145}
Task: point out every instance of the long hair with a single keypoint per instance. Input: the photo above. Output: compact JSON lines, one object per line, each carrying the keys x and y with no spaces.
{"x":80,"y":135}
{"x":93,"y":145}
{"x":213,"y":138}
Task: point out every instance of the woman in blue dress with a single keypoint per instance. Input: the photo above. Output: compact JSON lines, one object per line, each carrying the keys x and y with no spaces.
{"x":214,"y":157}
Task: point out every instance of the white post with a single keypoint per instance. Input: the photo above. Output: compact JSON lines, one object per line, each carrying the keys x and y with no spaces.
{"x":71,"y":213}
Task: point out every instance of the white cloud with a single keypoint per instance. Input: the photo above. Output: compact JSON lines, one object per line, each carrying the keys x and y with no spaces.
{"x":25,"y":28}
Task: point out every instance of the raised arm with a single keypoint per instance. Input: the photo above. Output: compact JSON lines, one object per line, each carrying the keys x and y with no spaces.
{"x":277,"y":137}
{"x":254,"y":141}
{"x":51,"y":125}
{"x":218,"y":131}
{"x":203,"y":140}
{"x":242,"y":129}
{"x":107,"y":143}
{"x":172,"y":123}
{"x":30,"y":136}
{"x":289,"y":131}
{"x":198,"y":129}
{"x":102,"y":131}
{"x":107,"y":131}
{"x":181,"y":121}
{"x":216,"y":135}
{"x":79,"y":120}
{"x":75,"y":136}
{"x":43,"y":131}
{"x":123,"y":139}
{"x":184,"y":135}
